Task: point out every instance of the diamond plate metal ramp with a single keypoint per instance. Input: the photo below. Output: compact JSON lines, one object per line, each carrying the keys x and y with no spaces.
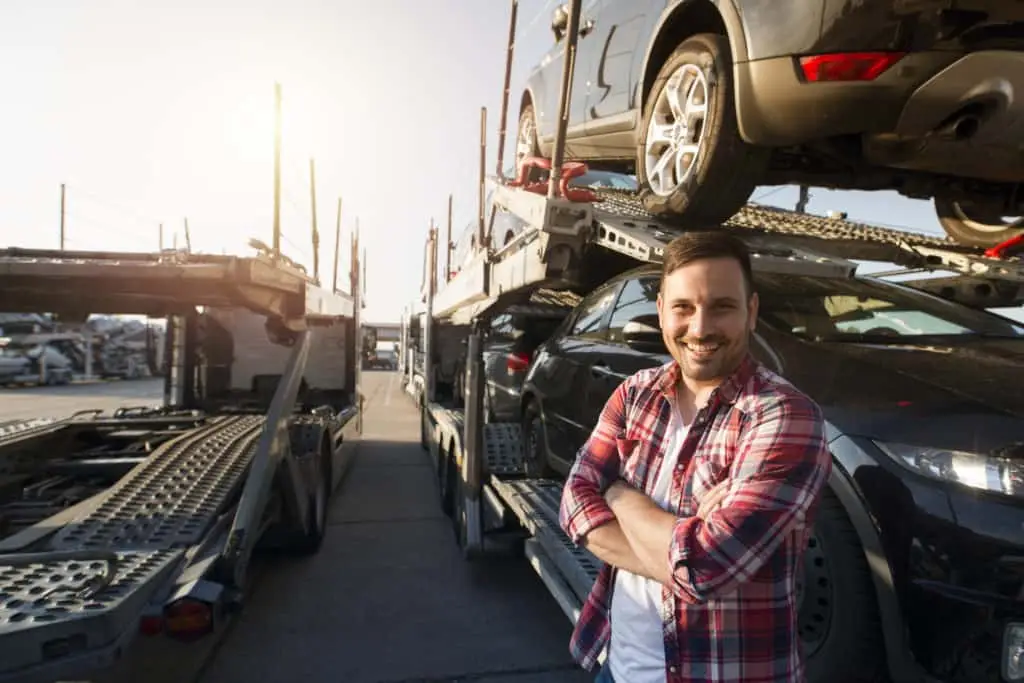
{"x":170,"y":499}
{"x":53,"y":613}
{"x":503,"y":450}
{"x":536,"y":502}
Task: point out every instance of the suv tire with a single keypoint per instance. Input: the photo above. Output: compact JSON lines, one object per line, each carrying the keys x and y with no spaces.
{"x":726,"y":170}
{"x":963,"y":229}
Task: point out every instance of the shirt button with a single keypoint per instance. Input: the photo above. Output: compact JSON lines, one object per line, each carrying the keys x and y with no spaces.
{"x":673,"y":669}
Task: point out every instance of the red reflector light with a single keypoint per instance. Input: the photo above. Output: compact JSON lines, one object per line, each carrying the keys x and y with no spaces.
{"x":188,"y":619}
{"x":848,"y":66}
{"x":517,"y":362}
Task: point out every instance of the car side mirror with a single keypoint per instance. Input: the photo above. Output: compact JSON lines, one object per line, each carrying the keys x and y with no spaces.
{"x":643,"y":334}
{"x":559,"y":22}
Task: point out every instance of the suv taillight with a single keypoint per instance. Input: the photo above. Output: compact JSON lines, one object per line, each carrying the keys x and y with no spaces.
{"x":517,"y":362}
{"x":847,"y":66}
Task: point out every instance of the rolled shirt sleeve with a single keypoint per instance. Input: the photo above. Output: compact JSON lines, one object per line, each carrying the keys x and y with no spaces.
{"x":583,"y":507}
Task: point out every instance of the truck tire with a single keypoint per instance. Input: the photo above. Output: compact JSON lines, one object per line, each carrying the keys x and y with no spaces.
{"x":839,"y":622}
{"x":319,"y":501}
{"x":535,"y":454}
{"x":691,"y":105}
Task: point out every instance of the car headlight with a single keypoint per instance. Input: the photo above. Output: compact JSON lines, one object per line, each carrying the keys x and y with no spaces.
{"x":984,"y":472}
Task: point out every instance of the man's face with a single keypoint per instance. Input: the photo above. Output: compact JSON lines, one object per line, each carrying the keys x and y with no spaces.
{"x":706,"y":318}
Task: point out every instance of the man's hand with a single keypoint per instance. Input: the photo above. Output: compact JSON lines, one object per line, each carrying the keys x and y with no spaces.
{"x":713,"y":498}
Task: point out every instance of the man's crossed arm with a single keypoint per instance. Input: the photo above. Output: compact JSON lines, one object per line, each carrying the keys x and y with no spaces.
{"x":781,"y":465}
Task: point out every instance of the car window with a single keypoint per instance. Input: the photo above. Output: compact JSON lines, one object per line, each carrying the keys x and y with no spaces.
{"x":638,"y":297}
{"x":502,"y":329}
{"x":591,"y":313}
{"x":833,"y":309}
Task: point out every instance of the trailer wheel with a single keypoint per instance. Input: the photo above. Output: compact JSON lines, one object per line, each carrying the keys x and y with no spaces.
{"x":839,"y":624}
{"x":423,"y":428}
{"x":535,"y":454}
{"x":444,"y":479}
{"x":311,"y":541}
{"x":458,"y":502}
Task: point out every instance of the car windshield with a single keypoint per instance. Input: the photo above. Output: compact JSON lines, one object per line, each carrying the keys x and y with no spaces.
{"x":833,"y":309}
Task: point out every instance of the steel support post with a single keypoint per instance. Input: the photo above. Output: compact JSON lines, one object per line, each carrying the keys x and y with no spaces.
{"x":174,"y":393}
{"x":473,"y":439}
{"x":272,"y":449}
{"x":565,"y":96}
{"x":428,"y":322}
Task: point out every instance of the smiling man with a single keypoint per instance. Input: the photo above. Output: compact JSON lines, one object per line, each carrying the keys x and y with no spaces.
{"x":698,"y":488}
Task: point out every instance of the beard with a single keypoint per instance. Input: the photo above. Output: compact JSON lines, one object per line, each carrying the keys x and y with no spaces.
{"x":708,"y":358}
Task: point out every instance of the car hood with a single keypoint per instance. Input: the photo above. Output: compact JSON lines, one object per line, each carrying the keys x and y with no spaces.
{"x":968,"y":396}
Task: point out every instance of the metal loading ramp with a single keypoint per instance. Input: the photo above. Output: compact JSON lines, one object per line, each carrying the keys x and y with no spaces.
{"x":83,"y":592}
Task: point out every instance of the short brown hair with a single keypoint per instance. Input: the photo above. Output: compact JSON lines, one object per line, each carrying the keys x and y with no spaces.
{"x":705,"y":244}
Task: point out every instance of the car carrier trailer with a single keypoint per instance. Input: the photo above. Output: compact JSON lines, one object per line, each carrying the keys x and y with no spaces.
{"x":480,"y":472}
{"x":574,"y":240}
{"x":143,"y":522}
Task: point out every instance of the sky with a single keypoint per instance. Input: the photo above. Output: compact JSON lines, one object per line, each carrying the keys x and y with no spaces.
{"x":155,"y":113}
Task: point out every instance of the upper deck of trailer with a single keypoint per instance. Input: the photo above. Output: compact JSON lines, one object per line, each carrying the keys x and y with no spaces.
{"x":162,"y":283}
{"x":554,"y":248}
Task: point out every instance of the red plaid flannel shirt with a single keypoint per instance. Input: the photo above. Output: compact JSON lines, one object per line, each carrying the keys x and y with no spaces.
{"x":730,"y":614}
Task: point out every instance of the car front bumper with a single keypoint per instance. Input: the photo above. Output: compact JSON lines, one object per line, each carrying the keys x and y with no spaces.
{"x":956,"y":558}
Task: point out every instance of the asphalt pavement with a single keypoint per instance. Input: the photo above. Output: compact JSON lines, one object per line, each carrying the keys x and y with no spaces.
{"x":58,"y":401}
{"x":389,"y":598}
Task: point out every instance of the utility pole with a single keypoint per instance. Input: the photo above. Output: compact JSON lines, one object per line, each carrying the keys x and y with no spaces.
{"x":316,"y":233}
{"x":161,"y":237}
{"x":337,"y":244}
{"x":63,"y":191}
{"x":276,"y":242}
{"x":188,"y":238}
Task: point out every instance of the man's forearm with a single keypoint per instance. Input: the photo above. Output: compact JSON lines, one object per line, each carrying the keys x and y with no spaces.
{"x":611,"y":546}
{"x":649,"y":534}
{"x":647,"y":528}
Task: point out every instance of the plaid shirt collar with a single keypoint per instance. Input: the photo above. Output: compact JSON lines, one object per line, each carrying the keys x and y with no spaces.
{"x":727,"y":392}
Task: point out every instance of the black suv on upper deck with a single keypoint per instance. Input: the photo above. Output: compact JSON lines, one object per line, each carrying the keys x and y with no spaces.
{"x":916,"y":566}
{"x":708,"y":99}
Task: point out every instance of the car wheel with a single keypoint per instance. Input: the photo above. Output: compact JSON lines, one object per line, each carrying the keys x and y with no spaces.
{"x":839,"y":624}
{"x":691,"y":161}
{"x":527,"y":143}
{"x":975,"y":228}
{"x":535,"y":455}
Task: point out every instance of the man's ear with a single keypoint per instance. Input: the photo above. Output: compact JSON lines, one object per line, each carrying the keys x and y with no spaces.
{"x":660,"y":303}
{"x":753,"y":306}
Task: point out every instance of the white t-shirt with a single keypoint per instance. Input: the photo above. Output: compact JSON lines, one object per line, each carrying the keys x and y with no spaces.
{"x":636,"y":652}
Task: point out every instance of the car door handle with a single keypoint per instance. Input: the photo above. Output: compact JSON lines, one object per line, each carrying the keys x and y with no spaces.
{"x":601,"y":370}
